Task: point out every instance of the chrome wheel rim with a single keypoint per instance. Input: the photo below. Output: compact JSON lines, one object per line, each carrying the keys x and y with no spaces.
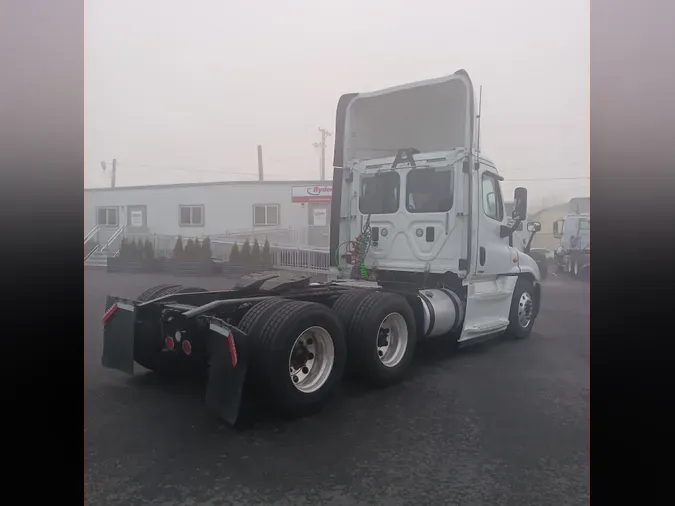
{"x":525,"y":310}
{"x":311,"y":359}
{"x":392,"y":339}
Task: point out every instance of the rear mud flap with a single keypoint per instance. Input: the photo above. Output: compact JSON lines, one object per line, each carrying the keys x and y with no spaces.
{"x":118,"y":335}
{"x":228,"y":361}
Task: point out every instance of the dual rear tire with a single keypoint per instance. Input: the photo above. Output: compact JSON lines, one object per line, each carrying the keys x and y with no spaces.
{"x":298,"y":353}
{"x":381,"y":335}
{"x":299,"y":349}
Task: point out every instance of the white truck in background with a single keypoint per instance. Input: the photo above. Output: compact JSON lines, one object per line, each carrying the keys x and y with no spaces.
{"x":573,"y":254}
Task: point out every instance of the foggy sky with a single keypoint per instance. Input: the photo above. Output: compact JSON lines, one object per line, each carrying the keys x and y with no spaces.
{"x":183,"y":91}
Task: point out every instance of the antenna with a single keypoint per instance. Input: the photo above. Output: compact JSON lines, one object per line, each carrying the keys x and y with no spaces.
{"x":480,"y":108}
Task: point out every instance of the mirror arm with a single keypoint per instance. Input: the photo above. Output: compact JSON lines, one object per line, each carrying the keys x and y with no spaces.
{"x":507,"y":231}
{"x":529,"y":243}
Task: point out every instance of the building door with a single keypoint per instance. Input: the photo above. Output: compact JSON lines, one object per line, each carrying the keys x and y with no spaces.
{"x":318,"y":231}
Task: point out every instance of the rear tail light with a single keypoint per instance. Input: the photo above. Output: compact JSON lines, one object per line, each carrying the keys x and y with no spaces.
{"x":187,"y":347}
{"x":168,"y":342}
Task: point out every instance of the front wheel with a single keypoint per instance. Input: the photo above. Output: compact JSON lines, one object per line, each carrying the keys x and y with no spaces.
{"x":522,"y":314}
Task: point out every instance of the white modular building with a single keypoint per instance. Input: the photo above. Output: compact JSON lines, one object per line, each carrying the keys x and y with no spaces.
{"x":288,"y":213}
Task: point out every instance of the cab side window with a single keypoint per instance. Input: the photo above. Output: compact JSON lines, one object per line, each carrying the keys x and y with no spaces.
{"x":493,"y":205}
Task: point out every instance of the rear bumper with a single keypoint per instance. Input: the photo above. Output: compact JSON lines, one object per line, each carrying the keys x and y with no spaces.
{"x":226,"y":348}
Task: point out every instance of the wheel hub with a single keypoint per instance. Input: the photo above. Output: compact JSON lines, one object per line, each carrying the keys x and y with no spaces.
{"x":311,"y":359}
{"x":525,"y":305}
{"x":392,"y":339}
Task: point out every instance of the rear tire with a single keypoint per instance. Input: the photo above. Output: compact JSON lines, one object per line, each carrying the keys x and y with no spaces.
{"x":521,"y":316}
{"x":346,"y":304}
{"x":149,"y":344}
{"x":381,"y":338}
{"x":298,"y":354}
{"x":152,"y":293}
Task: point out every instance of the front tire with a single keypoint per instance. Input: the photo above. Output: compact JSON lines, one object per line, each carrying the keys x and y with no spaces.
{"x":522,"y":314}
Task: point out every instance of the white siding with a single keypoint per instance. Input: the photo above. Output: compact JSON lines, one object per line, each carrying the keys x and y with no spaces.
{"x":227,"y":207}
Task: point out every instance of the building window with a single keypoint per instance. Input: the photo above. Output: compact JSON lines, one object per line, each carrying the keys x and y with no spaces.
{"x":137,"y":216}
{"x":107,"y":217}
{"x":191,"y":216}
{"x":493,"y":205}
{"x":265,"y":215}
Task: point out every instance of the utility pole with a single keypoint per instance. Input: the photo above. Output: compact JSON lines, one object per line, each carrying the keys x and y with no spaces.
{"x":260,"y":163}
{"x":324,"y":135}
{"x":113,"y":172}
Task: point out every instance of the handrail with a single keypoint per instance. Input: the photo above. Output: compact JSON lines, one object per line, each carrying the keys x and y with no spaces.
{"x":117,"y":233}
{"x":91,"y":233}
{"x":93,"y":250}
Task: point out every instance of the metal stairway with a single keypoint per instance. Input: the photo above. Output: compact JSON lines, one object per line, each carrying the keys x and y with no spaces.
{"x":97,"y":259}
{"x":96,"y":255}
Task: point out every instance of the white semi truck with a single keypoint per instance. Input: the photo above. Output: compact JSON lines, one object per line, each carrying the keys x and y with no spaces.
{"x":421,"y":249}
{"x":573,"y":254}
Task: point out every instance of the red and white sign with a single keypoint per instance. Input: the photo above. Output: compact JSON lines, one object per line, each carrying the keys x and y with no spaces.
{"x":315,"y":193}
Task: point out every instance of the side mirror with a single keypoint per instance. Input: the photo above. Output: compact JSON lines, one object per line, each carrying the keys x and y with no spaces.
{"x":533,"y":226}
{"x":520,"y":203}
{"x":557,"y":229}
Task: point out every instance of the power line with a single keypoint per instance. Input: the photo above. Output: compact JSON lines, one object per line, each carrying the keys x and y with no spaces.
{"x":184,"y":169}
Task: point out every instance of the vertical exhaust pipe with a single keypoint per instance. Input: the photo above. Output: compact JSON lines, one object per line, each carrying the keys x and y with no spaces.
{"x":260,"y":163}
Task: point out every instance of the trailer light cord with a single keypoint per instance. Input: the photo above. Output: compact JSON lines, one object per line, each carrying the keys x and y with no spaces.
{"x":359,"y":252}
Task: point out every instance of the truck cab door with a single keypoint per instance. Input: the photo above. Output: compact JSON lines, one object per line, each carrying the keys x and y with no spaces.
{"x":494,"y":254}
{"x":489,"y":291}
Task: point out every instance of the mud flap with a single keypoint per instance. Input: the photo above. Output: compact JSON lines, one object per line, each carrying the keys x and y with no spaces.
{"x":118,"y":335}
{"x":228,"y":361}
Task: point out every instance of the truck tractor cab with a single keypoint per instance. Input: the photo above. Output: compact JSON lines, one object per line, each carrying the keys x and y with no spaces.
{"x":416,"y":207}
{"x":421,"y":247}
{"x":573,"y":254}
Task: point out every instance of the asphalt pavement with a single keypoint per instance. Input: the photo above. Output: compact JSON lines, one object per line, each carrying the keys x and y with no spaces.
{"x":506,"y":423}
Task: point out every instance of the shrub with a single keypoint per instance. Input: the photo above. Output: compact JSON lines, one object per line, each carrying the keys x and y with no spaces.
{"x":148,"y":250}
{"x":266,"y":255}
{"x":124,"y":248}
{"x":235,"y":255}
{"x":189,"y":249}
{"x":255,"y":252}
{"x":178,"y":251}
{"x":138,"y":248}
{"x":131,"y":249}
{"x":207,"y":254}
{"x":245,"y":254}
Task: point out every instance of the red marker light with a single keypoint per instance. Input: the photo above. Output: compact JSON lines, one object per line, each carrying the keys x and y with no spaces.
{"x":109,"y":312}
{"x":168,"y":342}
{"x":187,"y":347}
